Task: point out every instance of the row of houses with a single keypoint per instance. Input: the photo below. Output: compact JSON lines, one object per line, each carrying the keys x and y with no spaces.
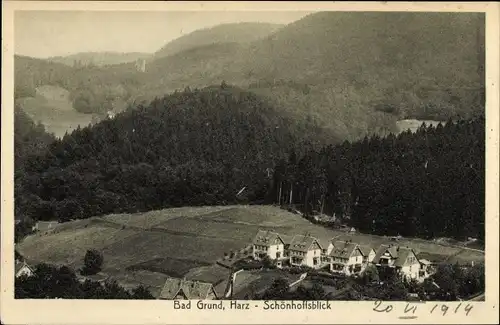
{"x":338,"y":256}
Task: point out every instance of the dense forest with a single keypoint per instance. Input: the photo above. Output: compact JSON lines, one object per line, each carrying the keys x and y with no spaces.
{"x":196,"y":147}
{"x":353,"y":73}
{"x":201,"y":147}
{"x":430,"y":183}
{"x":29,"y":138}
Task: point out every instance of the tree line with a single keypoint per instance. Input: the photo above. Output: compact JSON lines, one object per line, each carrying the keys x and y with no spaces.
{"x":450,"y":282}
{"x":50,"y":282}
{"x":195,"y":147}
{"x":201,"y":147}
{"x":427,"y":184}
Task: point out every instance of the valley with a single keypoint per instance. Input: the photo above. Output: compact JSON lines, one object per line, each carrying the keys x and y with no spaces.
{"x":338,"y":156}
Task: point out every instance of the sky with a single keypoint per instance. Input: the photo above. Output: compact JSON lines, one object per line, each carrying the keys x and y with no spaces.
{"x":43,"y":34}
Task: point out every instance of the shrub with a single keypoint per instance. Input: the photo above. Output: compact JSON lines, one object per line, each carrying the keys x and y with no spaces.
{"x":92,"y":262}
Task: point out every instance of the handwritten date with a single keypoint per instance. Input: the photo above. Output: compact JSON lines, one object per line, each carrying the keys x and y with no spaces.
{"x":411,"y":308}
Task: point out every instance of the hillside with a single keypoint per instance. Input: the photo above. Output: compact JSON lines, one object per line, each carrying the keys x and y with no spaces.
{"x":99,"y":58}
{"x":195,"y":147}
{"x":352,"y":73}
{"x":406,"y":60}
{"x":146,"y":248}
{"x":224,"y":33}
{"x":30,"y":138}
{"x":341,"y":67}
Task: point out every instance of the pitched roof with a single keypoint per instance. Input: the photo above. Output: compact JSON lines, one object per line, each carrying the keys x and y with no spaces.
{"x":433,"y":258}
{"x":343,"y":249}
{"x":302,"y":243}
{"x":404,"y":252}
{"x":20,"y":265}
{"x":399,"y":253}
{"x":287,"y":239}
{"x":192,"y":289}
{"x":266,"y":238}
{"x":365,"y":250}
{"x":382,"y":249}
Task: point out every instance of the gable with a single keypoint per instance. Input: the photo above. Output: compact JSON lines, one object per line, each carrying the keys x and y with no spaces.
{"x":411,"y":258}
{"x":315,"y":245}
{"x":180,"y":295}
{"x":387,"y":253}
{"x":278,"y":241}
{"x":357,"y":252}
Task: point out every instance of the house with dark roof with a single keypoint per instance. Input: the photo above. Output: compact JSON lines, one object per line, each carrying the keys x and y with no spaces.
{"x":346,"y":257}
{"x":403,"y":259}
{"x":305,"y":250}
{"x":22,"y":268}
{"x":269,"y":243}
{"x":187,"y":290}
{"x":368,"y":253}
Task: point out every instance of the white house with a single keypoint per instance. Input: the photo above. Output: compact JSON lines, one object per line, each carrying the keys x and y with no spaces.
{"x":271,"y":244}
{"x":368,"y":253}
{"x":305,"y":250}
{"x":403,"y":259}
{"x":426,"y":269}
{"x":22,"y":268}
{"x":346,"y":257}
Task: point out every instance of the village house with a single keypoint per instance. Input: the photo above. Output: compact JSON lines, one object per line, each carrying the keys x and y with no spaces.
{"x":403,"y":259}
{"x":22,"y":268}
{"x":268,"y":243}
{"x":368,"y":254}
{"x":187,"y":290}
{"x":305,"y":250}
{"x":427,"y":268}
{"x":346,"y":257}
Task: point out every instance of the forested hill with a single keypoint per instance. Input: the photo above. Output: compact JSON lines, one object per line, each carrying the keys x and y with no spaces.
{"x":99,"y":58}
{"x":224,"y":33}
{"x":427,"y":184}
{"x":29,"y":138}
{"x":196,"y":147}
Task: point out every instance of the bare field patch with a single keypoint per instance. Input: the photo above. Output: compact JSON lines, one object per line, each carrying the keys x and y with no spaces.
{"x":174,"y":267}
{"x":151,"y":280}
{"x":153,"y":218}
{"x":69,"y":247}
{"x":149,"y":245}
{"x":212,"y":274}
{"x":58,"y":116}
{"x":207,"y":228}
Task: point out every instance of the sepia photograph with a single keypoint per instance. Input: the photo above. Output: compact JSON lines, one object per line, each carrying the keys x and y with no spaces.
{"x":215,"y":160}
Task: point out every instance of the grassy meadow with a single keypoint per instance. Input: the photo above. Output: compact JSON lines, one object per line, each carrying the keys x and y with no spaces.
{"x":145,"y":248}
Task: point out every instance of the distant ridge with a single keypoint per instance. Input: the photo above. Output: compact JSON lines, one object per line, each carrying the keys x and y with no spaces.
{"x":225,"y":33}
{"x":99,"y":58}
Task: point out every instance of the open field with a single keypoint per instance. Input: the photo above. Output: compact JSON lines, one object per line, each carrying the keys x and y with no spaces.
{"x":58,"y":116}
{"x":413,"y":125}
{"x":69,"y":246}
{"x":187,"y":242}
{"x":153,"y":218}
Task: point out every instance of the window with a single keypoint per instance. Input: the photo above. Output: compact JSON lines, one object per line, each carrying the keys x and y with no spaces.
{"x":278,"y":255}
